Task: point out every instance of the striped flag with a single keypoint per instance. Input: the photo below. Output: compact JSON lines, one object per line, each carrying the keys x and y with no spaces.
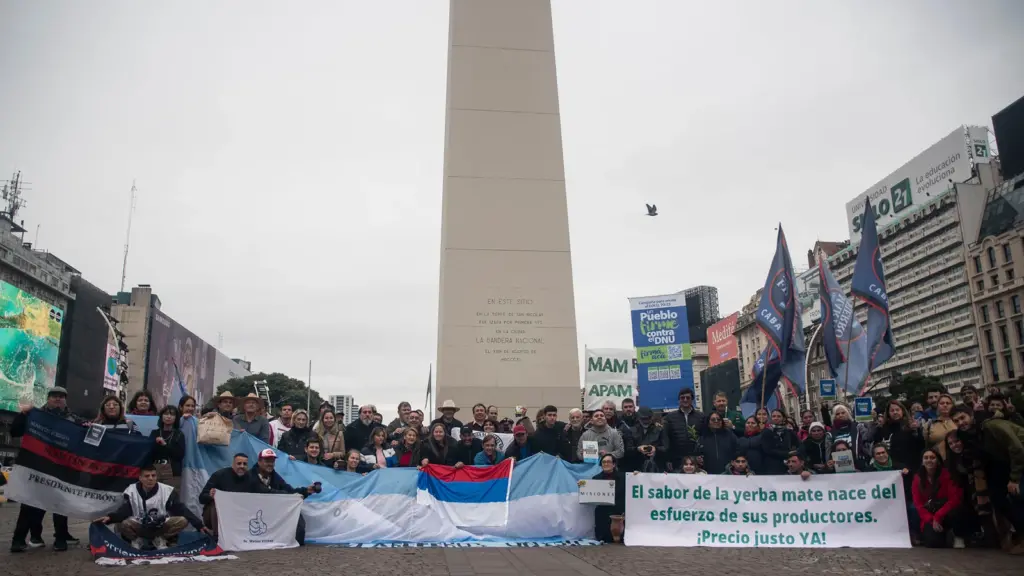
{"x":58,"y":472}
{"x":468,"y":497}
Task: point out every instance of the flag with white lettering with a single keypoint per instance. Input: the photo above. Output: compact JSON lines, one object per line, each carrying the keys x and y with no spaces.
{"x":869,"y":284}
{"x":56,"y":470}
{"x":778,"y":315}
{"x":843,"y":338}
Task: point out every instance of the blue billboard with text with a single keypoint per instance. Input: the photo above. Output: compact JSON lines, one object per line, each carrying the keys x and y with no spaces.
{"x":661,"y":337}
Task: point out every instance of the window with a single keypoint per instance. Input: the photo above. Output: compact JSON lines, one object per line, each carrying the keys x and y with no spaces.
{"x":1015,"y":302}
{"x":980,"y":285}
{"x":993,"y":364}
{"x":991,"y":257}
{"x":1006,"y":339}
{"x":1007,"y":255}
{"x":1000,"y":312}
{"x":1019,"y":324}
{"x":1009,"y":275}
{"x":984,"y":313}
{"x":995,"y":280}
{"x":1009,"y":367}
{"x":977,"y":264}
{"x":988,"y":341}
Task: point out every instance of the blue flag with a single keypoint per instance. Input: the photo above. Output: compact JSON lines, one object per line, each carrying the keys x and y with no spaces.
{"x":178,"y":390}
{"x":869,"y":284}
{"x":778,"y":316}
{"x":844,"y":340}
{"x":765,"y":382}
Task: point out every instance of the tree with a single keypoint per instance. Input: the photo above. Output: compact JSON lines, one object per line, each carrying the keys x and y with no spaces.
{"x":913,"y":387}
{"x":282,"y":389}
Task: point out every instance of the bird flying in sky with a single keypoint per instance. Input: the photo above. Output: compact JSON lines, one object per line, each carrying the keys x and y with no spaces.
{"x":652,"y":209}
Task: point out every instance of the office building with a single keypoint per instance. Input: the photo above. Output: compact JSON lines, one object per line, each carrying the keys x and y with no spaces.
{"x":345,"y":407}
{"x":701,"y":310}
{"x":996,"y":269}
{"x":133,"y":313}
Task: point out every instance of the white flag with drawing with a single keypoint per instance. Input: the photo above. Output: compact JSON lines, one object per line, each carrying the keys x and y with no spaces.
{"x":257,"y":521}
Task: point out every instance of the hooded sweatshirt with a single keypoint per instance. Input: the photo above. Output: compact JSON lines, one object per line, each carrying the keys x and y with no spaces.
{"x":608,"y":441}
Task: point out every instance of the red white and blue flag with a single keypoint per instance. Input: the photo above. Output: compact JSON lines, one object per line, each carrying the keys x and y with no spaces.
{"x":469,"y":497}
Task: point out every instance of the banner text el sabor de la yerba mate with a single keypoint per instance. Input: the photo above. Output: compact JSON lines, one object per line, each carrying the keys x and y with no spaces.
{"x":864,"y":510}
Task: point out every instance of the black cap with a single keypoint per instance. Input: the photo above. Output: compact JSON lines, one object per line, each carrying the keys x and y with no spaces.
{"x":466,"y":431}
{"x":645,"y":412}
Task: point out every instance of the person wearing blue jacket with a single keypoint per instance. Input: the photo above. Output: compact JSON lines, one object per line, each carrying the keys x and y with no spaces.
{"x":490,"y":455}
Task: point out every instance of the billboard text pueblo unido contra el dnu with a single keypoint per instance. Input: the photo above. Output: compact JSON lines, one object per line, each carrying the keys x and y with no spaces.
{"x":29,"y":344}
{"x":661,"y":337}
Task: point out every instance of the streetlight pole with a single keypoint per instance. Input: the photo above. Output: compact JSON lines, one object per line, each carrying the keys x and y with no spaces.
{"x":807,"y":364}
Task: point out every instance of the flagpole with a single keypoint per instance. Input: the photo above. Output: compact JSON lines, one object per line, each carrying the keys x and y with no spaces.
{"x":309,"y":387}
{"x":764,"y":374}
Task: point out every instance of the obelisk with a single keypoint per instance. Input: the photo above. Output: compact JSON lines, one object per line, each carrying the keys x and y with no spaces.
{"x":506,"y":316}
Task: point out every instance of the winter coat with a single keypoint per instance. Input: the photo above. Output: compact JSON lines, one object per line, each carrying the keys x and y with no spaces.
{"x":523,"y":451}
{"x":454,"y":423}
{"x":293,"y":442}
{"x":173,"y":450}
{"x":905,"y":444}
{"x":549,"y":440}
{"x":357,"y":434}
{"x":481,"y":459}
{"x":817,"y":454}
{"x":571,"y":442}
{"x":946,"y":490}
{"x":467,"y":453}
{"x":777,"y":442}
{"x":1003,"y":441}
{"x":718,"y":447}
{"x":859,"y":443}
{"x":678,"y":442}
{"x":650,"y":436}
{"x":751,"y":446}
{"x":259,"y":427}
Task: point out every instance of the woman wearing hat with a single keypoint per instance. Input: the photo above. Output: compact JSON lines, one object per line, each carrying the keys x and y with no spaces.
{"x":249,"y":418}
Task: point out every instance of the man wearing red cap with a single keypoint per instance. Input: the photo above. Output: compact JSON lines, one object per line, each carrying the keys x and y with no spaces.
{"x":523,"y":446}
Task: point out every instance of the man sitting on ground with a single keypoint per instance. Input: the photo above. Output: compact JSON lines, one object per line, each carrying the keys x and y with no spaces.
{"x":152,"y":514}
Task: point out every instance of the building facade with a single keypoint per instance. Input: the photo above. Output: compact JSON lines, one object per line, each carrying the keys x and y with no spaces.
{"x":701,"y":311}
{"x":133,"y":312}
{"x":345,"y":407}
{"x":699,"y":362}
{"x":995,"y":264}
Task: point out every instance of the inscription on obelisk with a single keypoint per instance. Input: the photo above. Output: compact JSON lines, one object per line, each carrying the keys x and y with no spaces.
{"x":506,"y":316}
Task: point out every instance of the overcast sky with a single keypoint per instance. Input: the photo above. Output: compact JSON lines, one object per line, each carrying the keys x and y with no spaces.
{"x":288,"y":155}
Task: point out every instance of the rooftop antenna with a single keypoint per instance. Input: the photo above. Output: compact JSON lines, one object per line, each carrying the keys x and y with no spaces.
{"x":128,"y":237}
{"x":12,"y":194}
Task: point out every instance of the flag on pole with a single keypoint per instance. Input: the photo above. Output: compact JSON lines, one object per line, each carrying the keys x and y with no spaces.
{"x":751,"y":400}
{"x":869,"y":284}
{"x":178,"y":390}
{"x":842,"y":337}
{"x":778,"y":316}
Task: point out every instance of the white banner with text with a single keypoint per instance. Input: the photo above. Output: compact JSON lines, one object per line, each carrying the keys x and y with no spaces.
{"x":257,"y":521}
{"x":864,"y":510}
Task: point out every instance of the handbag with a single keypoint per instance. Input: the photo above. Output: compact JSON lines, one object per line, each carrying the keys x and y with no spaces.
{"x":164,"y":472}
{"x":214,"y":429}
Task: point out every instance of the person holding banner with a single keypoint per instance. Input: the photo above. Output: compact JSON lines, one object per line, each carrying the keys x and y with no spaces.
{"x":603,"y":514}
{"x":718,"y":445}
{"x":30,"y":518}
{"x":152,"y":513}
{"x":111,"y":416}
{"x":489,"y":455}
{"x":266,"y":481}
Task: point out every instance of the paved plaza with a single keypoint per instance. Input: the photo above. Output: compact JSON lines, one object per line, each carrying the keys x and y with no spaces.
{"x":591,"y":560}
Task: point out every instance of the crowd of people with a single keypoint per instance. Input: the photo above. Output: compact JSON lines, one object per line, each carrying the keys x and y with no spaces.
{"x":961,"y":463}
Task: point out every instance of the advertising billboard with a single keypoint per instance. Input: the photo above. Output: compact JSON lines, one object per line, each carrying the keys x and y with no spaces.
{"x":722,"y":344}
{"x":661,"y":336}
{"x":29,"y":344}
{"x":610,"y":374}
{"x":928,"y":173}
{"x":176,"y":354}
{"x":110,"y":376}
{"x":225,"y":369}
